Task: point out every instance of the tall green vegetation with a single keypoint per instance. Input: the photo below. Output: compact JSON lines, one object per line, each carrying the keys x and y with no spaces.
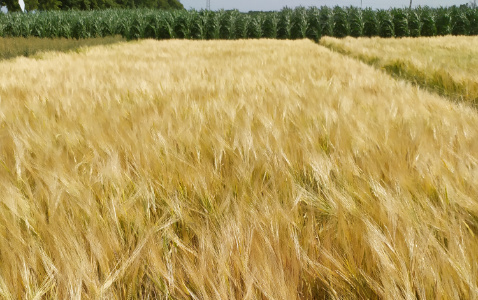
{"x":400,"y":22}
{"x":443,"y":22}
{"x":326,"y":21}
{"x":371,"y":24}
{"x":314,"y":30}
{"x":460,"y":23}
{"x":414,"y":23}
{"x":298,"y":23}
{"x":472,"y":16}
{"x":341,"y":24}
{"x":271,"y":25}
{"x":386,"y":24}
{"x":356,"y":22}
{"x":429,"y":23}
{"x":45,"y":5}
{"x":284,"y":30}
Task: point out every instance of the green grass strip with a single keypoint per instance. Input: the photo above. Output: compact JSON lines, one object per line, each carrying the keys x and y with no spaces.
{"x":18,"y":46}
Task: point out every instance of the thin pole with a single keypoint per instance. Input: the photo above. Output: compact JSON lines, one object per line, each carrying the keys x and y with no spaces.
{"x":411,"y":4}
{"x":208,"y":4}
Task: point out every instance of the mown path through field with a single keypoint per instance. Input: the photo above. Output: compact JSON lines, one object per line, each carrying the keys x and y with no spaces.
{"x":446,"y":65}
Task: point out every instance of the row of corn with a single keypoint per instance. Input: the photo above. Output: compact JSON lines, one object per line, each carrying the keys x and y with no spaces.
{"x":288,"y":23}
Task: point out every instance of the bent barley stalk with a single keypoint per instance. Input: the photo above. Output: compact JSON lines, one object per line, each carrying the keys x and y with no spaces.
{"x":231,"y":170}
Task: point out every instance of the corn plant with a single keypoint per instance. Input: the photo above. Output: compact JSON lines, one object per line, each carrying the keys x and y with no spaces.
{"x":2,"y":24}
{"x":152,"y":27}
{"x":400,"y":22}
{"x":387,"y":28}
{"x":326,"y":21}
{"x":313,"y":24}
{"x":299,"y":23}
{"x":26,"y":28}
{"x":356,"y":21}
{"x":242,"y":26}
{"x":200,"y":28}
{"x":13,"y":25}
{"x":229,"y":22}
{"x":137,"y":29}
{"x":472,"y":16}
{"x":271,"y":25}
{"x":371,"y":23}
{"x":94,"y":24}
{"x":428,"y":23}
{"x":443,"y":22}
{"x":461,"y":25}
{"x":254,"y":28}
{"x":48,"y":25}
{"x":213,"y":27}
{"x":79,"y":29}
{"x":183,"y":24}
{"x":65,"y":30}
{"x":414,"y":24}
{"x":284,"y":30}
{"x":341,"y":25}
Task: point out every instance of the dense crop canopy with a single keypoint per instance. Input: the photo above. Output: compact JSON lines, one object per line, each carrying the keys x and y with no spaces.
{"x":258,"y":169}
{"x":288,"y":23}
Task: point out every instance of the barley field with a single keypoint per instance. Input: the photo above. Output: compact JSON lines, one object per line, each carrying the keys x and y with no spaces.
{"x":447,"y":64}
{"x":255,"y":169}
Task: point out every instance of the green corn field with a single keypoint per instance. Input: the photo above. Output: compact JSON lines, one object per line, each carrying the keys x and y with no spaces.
{"x":288,"y":23}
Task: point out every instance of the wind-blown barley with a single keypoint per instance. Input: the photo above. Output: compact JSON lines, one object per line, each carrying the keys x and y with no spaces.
{"x":245,"y":169}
